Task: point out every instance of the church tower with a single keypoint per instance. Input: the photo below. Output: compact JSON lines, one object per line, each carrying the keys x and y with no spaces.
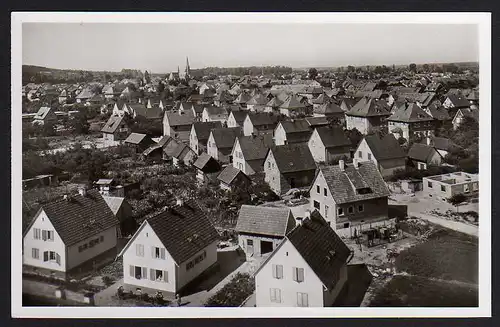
{"x":188,"y":70}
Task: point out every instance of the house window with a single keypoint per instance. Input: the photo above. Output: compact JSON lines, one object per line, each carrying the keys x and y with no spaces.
{"x":35,"y":253}
{"x":101,"y":239}
{"x":475,"y":186}
{"x":340,"y":211}
{"x":278,"y":271}
{"x":298,"y":274}
{"x":139,"y":250}
{"x":361,"y":208}
{"x":138,"y":272}
{"x":52,"y":256}
{"x":50,"y":235}
{"x":369,"y":156}
{"x":326,"y":211}
{"x":275,"y":295}
{"x":466,"y":188}
{"x":302,"y":300}
{"x":429,"y":184}
{"x":269,"y":165}
{"x":36,"y":233}
{"x":350,"y":209}
{"x":158,"y":275}
{"x":249,"y":242}
{"x":158,"y":253}
{"x":324,"y":191}
{"x":443,"y":188}
{"x":318,"y":189}
{"x":360,"y":154}
{"x":316,"y":204}
{"x":346,"y":225}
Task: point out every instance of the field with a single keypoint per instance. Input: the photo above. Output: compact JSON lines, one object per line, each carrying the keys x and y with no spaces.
{"x":440,"y":272}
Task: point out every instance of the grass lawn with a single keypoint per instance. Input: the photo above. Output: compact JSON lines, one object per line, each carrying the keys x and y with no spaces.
{"x":446,"y":255}
{"x":414,"y":291}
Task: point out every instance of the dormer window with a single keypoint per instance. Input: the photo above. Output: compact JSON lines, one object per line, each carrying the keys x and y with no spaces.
{"x":364,"y":190}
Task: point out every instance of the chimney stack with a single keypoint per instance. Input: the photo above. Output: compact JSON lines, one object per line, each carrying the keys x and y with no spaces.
{"x":428,"y":140}
{"x":180,"y":202}
{"x":82,"y":190}
{"x":341,"y":165}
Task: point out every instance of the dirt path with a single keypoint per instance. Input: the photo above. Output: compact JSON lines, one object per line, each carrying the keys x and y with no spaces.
{"x":455,"y":225}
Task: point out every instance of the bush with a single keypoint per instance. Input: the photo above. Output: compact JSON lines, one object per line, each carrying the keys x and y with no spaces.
{"x":233,"y":293}
{"x":107,"y":280}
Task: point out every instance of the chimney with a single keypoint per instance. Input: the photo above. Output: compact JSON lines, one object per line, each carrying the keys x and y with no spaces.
{"x":82,"y":190}
{"x":180,"y":202}
{"x":341,"y":165}
{"x":65,"y":197}
{"x":299,"y":220}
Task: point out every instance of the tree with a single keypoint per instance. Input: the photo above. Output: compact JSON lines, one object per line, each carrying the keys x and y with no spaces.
{"x":354,"y":136}
{"x":350,"y":68}
{"x":457,"y":199}
{"x":412,"y":67}
{"x":160,"y":88}
{"x":425,"y":67}
{"x":79,"y":124}
{"x":313,"y":72}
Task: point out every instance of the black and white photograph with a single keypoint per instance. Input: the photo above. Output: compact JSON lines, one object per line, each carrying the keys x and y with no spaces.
{"x":257,"y":165}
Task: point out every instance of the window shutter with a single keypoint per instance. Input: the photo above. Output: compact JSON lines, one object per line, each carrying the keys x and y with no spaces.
{"x":44,"y":235}
{"x":144,"y":273}
{"x":45,"y":256}
{"x":153,"y":252}
{"x":132,"y":271}
{"x":152,"y":274}
{"x":275,"y":271}
{"x":33,"y":253}
{"x":305,"y":301}
{"x":271,"y":294}
{"x":301,"y":274}
{"x":280,"y":271}
{"x":278,"y":295}
{"x":165,"y":276}
{"x":295,"y":274}
{"x":34,"y":233}
{"x":58,"y":258}
{"x":162,"y":253}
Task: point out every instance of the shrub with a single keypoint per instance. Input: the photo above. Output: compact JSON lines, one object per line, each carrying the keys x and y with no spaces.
{"x":107,"y":280}
{"x":233,"y":293}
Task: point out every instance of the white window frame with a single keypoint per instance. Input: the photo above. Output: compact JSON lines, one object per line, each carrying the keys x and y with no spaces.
{"x":466,"y":188}
{"x":139,"y":250}
{"x":35,"y":253}
{"x":37,"y":233}
{"x":275,"y":295}
{"x":277,"y":271}
{"x":340,"y":212}
{"x":302,"y":299}
{"x":298,"y":274}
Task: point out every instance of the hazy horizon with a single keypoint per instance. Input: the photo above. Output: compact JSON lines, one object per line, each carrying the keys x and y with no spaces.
{"x":160,"y":48}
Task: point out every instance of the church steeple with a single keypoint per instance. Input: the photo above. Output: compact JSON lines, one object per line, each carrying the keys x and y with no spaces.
{"x":188,"y":70}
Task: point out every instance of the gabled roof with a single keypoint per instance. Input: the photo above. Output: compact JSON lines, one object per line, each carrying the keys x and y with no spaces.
{"x":242,"y":98}
{"x":317,"y":121}
{"x":112,"y":124}
{"x":344,"y":185}
{"x":333,"y":137}
{"x":410,"y":113}
{"x":114,"y":203}
{"x":229,"y":173}
{"x":328,"y":108}
{"x":239,"y":116}
{"x":458,"y":101}
{"x":384,"y":148}
{"x":268,"y":221}
{"x":176,"y":119}
{"x":471,"y":113}
{"x":295,"y":126}
{"x":473,"y":95}
{"x":367,"y":107}
{"x":258,"y":99}
{"x":255,"y":147}
{"x":202,"y":129}
{"x":322,"y":249}
{"x":349,"y":103}
{"x":206,"y":163}
{"x":183,"y":230}
{"x":181,"y":151}
{"x":161,"y":143}
{"x":274,"y":102}
{"x":224,"y":137}
{"x":426,"y":98}
{"x":136,"y":138}
{"x":148,"y":113}
{"x":215,"y":111}
{"x":442,"y":143}
{"x":292,"y":102}
{"x":85,"y":94}
{"x":263,"y":118}
{"x":293,"y":157}
{"x":438,"y":112}
{"x":421,"y":152}
{"x":79,"y":217}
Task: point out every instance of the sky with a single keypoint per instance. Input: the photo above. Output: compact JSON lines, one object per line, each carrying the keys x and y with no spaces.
{"x":160,"y":48}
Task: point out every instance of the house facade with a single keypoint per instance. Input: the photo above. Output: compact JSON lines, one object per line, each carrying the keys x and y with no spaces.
{"x":385,"y":153}
{"x":447,"y":185}
{"x":329,"y":144}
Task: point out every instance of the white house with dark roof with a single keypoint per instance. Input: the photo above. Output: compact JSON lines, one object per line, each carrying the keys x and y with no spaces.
{"x":410,"y":121}
{"x":259,"y":123}
{"x":385,"y":152}
{"x":260,"y":229}
{"x":292,"y":131}
{"x":422,"y":156}
{"x":249,"y":152}
{"x":200,"y":132}
{"x":115,"y":130}
{"x":231,"y":178}
{"x":257,"y":103}
{"x":170,"y":249}
{"x":69,"y":232}
{"x":212,"y":113}
{"x":367,"y":115}
{"x":350,"y":196}
{"x":220,"y":142}
{"x":329,"y":144}
{"x":236,"y":118}
{"x":307,"y":269}
{"x":178,"y":125}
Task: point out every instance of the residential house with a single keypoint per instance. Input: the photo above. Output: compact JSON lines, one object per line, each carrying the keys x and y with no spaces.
{"x":473,"y":98}
{"x":447,"y":185}
{"x":368,"y":115}
{"x":385,"y":152}
{"x":320,"y":100}
{"x":155,"y":151}
{"x":331,"y":111}
{"x":329,"y":144}
{"x":211,"y":113}
{"x":259,"y":123}
{"x":443,"y":145}
{"x":140,"y":142}
{"x":454,"y":102}
{"x":222,"y":98}
{"x":289,"y":166}
{"x":232,"y":178}
{"x":257,"y":103}
{"x":141,"y":110}
{"x":347,"y":104}
{"x":307,"y":269}
{"x":221,"y":141}
{"x":69,"y":232}
{"x":207,"y":168}
{"x":200,"y":132}
{"x":422,"y":156}
{"x":170,"y":249}
{"x":236,"y":118}
{"x":249,"y":152}
{"x":123,"y":212}
{"x":114,"y":130}
{"x":242,"y":99}
{"x":350,"y":196}
{"x":292,"y":131}
{"x":170,"y":149}
{"x":183,"y":154}
{"x":439,"y":113}
{"x":63,"y":96}
{"x":462,"y":114}
{"x":84,"y":95}
{"x":273,"y":105}
{"x":293,"y":107}
{"x":410,"y":121}
{"x":426,"y":99}
{"x":44,"y":115}
{"x":178,"y":125}
{"x":261,"y":229}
